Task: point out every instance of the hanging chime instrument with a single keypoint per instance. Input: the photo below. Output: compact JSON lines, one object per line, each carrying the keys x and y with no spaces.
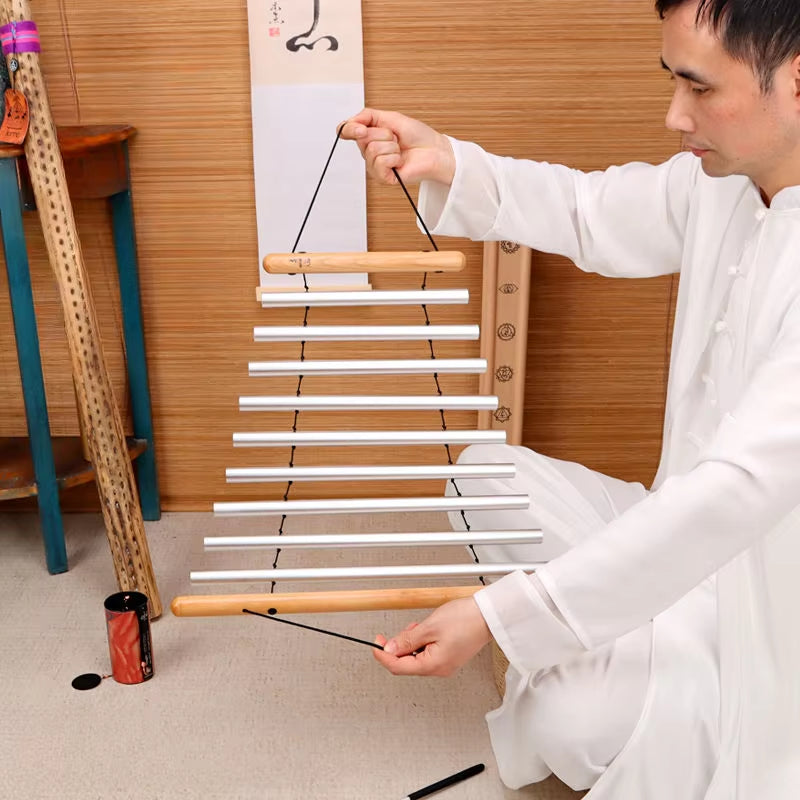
{"x":426,"y":262}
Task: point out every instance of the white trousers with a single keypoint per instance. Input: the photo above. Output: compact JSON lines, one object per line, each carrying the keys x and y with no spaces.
{"x":574,"y":719}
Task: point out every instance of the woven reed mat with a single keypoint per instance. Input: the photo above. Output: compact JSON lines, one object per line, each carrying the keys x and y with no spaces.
{"x":552,"y":788}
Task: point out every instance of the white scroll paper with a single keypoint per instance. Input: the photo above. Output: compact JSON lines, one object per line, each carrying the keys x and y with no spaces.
{"x":307,"y":77}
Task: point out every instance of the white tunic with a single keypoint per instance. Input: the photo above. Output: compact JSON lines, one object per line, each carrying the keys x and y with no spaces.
{"x":724,"y":501}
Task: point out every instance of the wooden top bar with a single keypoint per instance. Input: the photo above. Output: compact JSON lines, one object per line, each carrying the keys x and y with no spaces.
{"x":401,"y":261}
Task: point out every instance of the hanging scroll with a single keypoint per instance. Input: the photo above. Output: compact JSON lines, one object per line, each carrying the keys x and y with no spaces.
{"x":307,"y":77}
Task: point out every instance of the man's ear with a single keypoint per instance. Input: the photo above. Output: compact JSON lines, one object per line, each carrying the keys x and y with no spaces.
{"x":796,"y":77}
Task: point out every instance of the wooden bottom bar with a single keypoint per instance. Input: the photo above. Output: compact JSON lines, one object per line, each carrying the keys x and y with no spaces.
{"x":219,"y":605}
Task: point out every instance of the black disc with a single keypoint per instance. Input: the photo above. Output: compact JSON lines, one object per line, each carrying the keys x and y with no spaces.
{"x":87,"y":681}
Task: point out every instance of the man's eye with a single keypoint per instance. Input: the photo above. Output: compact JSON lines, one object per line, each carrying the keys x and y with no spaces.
{"x":699,"y":89}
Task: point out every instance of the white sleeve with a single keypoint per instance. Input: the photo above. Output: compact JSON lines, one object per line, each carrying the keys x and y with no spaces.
{"x":658,"y":550}
{"x":525,"y":624}
{"x":627,"y":221}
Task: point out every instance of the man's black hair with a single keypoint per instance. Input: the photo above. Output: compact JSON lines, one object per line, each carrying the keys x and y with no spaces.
{"x":761,"y":33}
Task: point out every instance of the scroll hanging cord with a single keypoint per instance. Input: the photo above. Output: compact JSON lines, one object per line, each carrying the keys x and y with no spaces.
{"x":303,"y":345}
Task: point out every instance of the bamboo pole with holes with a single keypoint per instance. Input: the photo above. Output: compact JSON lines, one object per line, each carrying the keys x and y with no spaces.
{"x":100,"y":416}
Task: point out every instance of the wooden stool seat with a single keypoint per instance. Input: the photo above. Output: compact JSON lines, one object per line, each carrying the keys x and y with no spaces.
{"x":18,"y":476}
{"x":75,"y":140}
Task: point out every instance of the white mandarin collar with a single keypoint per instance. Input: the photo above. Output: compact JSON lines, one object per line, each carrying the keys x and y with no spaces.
{"x":787,"y":199}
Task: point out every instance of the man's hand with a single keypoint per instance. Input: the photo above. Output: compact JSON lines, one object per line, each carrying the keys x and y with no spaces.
{"x":389,"y":140}
{"x":450,"y":636}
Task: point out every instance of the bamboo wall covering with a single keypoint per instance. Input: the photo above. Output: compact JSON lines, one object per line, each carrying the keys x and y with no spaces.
{"x":572,"y":81}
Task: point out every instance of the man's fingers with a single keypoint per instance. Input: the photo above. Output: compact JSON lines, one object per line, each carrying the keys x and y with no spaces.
{"x":378,"y":148}
{"x":382,"y":158}
{"x":413,"y":639}
{"x":367,"y":121}
{"x":382,"y":168}
{"x":381,"y":640}
{"x":364,"y":135}
{"x":369,"y":117}
{"x":351,"y":130}
{"x":356,"y":125}
{"x":422,"y":664}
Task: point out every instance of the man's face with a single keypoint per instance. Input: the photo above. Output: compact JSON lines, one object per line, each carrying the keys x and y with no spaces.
{"x":718,"y":106}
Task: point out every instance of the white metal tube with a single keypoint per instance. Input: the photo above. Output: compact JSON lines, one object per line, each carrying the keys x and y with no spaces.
{"x":328,"y":540}
{"x":361,"y":573}
{"x":371,"y":298}
{"x":422,"y":472}
{"x":367,"y":333}
{"x":368,"y":403}
{"x":452,"y":366}
{"x":372,"y":505}
{"x":324,"y":438}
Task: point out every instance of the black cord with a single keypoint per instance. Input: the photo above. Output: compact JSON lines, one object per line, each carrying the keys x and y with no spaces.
{"x":302,"y":351}
{"x":311,"y":628}
{"x":316,"y":191}
{"x":433,"y":356}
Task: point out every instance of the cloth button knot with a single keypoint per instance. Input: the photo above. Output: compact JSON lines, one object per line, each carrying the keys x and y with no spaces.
{"x":721,"y":326}
{"x":711,"y":390}
{"x":760,"y":214}
{"x":695,"y":440}
{"x":734,"y":271}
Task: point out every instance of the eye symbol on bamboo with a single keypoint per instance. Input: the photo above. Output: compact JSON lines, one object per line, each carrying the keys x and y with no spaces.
{"x":508,"y":288}
{"x":506,"y":332}
{"x":509,"y":247}
{"x":504,"y":374}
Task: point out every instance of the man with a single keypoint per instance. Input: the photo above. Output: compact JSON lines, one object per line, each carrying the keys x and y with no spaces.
{"x":656,"y":656}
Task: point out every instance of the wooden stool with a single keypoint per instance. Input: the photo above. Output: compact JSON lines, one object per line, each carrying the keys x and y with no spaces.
{"x":97,"y":166}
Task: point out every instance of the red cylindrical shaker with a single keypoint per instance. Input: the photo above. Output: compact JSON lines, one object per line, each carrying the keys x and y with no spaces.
{"x":129,"y":642}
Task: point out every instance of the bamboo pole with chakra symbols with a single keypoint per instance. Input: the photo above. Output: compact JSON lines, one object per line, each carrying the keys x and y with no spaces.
{"x":100,"y":416}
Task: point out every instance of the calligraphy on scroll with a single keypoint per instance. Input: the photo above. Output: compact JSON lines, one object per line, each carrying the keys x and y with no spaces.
{"x":295,"y":43}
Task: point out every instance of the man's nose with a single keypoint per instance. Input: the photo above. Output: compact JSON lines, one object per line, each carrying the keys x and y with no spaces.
{"x":678,"y":117}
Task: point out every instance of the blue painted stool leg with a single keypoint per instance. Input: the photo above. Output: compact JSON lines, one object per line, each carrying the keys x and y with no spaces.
{"x":30,"y":367}
{"x":125,"y":248}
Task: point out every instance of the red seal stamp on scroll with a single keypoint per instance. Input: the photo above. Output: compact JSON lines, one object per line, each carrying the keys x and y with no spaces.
{"x":129,"y":642}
